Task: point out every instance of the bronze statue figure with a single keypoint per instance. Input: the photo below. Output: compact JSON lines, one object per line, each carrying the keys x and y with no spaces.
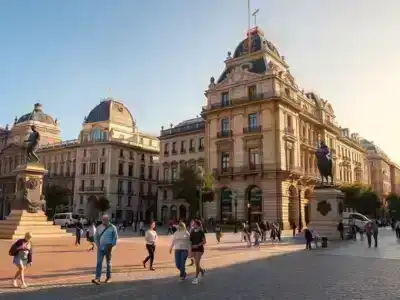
{"x":324,"y":162}
{"x":33,"y":142}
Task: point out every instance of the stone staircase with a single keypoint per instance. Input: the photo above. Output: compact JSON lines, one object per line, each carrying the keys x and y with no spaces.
{"x":20,"y":221}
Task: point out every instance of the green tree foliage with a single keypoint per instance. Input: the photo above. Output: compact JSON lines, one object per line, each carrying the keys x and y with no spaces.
{"x":187,"y":187}
{"x":102,"y":204}
{"x":361,"y":198}
{"x":56,"y":195}
{"x":393,"y":205}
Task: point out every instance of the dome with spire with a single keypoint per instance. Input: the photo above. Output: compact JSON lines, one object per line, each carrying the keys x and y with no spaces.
{"x":36,"y":115}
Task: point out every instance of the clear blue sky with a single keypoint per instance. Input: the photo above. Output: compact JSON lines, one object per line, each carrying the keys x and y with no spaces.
{"x":158,"y":56}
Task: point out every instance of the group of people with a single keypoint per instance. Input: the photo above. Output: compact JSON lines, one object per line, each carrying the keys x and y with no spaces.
{"x":259,"y":232}
{"x":371,"y":230}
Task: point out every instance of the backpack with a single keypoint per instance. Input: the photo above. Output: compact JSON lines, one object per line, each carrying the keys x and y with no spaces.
{"x":13,"y":250}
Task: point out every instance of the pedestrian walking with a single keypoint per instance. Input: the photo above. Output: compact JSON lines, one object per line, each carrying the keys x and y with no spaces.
{"x":375,"y":231}
{"x":309,"y":237}
{"x":78,"y":232}
{"x":340,"y":228}
{"x":197,"y":240}
{"x":151,"y":239}
{"x":90,"y":233}
{"x":218,"y":233}
{"x":21,"y":251}
{"x":181,"y":245}
{"x":106,"y":238}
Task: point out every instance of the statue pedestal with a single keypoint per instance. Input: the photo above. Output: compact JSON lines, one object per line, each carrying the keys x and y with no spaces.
{"x":26,"y":208}
{"x":326,"y":211}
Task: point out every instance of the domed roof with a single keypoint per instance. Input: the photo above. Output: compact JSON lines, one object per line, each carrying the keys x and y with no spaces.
{"x":257,"y":40}
{"x":110,"y":110}
{"x":36,"y":115}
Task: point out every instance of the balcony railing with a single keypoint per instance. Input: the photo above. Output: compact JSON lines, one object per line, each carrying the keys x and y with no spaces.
{"x":92,"y":189}
{"x":166,"y":153}
{"x":238,"y":101}
{"x":174,"y":152}
{"x":252,"y":167}
{"x":183,"y":151}
{"x":256,"y":129}
{"x":224,"y":134}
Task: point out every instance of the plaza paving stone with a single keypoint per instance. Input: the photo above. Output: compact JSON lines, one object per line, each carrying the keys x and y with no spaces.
{"x":343,"y":271}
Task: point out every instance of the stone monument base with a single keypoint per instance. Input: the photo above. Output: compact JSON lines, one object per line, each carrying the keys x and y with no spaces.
{"x":20,"y":221}
{"x":326,"y":211}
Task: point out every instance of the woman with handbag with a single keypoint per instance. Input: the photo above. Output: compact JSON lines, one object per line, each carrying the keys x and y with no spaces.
{"x":150,"y":238}
{"x":197,"y":240}
{"x":22,"y":253}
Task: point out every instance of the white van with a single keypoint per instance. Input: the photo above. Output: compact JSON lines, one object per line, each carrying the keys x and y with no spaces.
{"x":355,"y":218}
{"x":68,"y":219}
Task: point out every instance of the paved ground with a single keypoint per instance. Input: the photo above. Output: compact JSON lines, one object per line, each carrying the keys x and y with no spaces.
{"x":343,"y":271}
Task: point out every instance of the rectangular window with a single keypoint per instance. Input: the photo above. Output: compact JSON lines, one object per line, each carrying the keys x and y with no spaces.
{"x":225,"y":98}
{"x":224,"y":161}
{"x":103,"y":151}
{"x":82,"y":184}
{"x":166,"y":174}
{"x":191,"y":143}
{"x":120,"y":185}
{"x":142,"y":172}
{"x":83,"y":169}
{"x":252,"y":92}
{"x":289,"y":121}
{"x":129,"y":186}
{"x":129,"y":201}
{"x":119,"y":201}
{"x":92,"y":183}
{"x":224,"y":125}
{"x":121,"y":153}
{"x":93,"y":167}
{"x":151,"y":159}
{"x":254,"y":158}
{"x":102,"y":167}
{"x":174,"y":147}
{"x":174,"y":173}
{"x":102,"y":185}
{"x":252,"y":119}
{"x":183,"y":146}
{"x":166,"y":148}
{"x":121,"y":169}
{"x":130,"y":170}
{"x":201,"y":143}
{"x":150,"y":169}
{"x":84,"y":153}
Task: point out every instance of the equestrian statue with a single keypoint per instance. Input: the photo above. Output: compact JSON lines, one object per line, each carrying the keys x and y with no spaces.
{"x":324,"y":163}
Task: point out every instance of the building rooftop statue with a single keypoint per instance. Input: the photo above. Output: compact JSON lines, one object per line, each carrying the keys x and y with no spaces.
{"x":36,"y":115}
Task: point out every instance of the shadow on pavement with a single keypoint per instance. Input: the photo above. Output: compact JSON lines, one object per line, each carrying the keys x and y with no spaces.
{"x":216,"y":282}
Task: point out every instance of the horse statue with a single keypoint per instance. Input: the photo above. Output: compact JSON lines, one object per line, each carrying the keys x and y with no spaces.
{"x":324,"y":163}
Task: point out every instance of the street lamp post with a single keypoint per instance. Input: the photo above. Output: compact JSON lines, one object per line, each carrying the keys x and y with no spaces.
{"x":235,"y":201}
{"x":299,"y":226}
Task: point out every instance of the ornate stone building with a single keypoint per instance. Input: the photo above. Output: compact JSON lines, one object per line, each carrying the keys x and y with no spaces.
{"x":383,"y":170}
{"x":110,"y":158}
{"x":261,"y":132}
{"x":181,"y":145}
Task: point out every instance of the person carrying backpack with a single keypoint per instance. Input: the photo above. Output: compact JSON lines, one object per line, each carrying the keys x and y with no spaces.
{"x":21,"y":251}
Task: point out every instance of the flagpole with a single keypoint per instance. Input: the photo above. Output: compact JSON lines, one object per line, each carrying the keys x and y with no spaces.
{"x":248,"y":15}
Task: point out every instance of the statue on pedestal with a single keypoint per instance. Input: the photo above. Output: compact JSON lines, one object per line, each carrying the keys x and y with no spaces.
{"x":324,"y":163}
{"x":33,"y":142}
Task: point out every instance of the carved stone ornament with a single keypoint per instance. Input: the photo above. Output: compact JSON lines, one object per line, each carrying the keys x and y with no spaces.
{"x":324,"y":207}
{"x":32,"y":184}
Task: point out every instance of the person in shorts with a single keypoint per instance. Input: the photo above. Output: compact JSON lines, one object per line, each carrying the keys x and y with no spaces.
{"x":197,"y":241}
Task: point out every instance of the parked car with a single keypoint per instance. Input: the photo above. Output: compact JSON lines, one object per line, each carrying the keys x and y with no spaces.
{"x":68,"y":219}
{"x":359,"y":220}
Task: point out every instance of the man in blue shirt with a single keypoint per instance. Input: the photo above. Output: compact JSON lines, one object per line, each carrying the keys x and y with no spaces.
{"x":106,"y":238}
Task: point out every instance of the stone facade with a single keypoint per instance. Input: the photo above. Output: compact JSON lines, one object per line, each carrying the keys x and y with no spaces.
{"x":110,"y":158}
{"x":181,"y":145}
{"x":261,"y":131}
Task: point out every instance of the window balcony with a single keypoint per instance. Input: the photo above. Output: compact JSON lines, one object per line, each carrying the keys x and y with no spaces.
{"x":92,"y":189}
{"x":183,"y":151}
{"x":191,"y":149}
{"x":224,"y":134}
{"x":253,"y":129}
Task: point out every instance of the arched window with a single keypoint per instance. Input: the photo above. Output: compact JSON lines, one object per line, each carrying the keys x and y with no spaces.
{"x":97,"y":135}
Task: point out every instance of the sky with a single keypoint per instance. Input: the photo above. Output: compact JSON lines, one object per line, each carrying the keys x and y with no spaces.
{"x":157,"y":57}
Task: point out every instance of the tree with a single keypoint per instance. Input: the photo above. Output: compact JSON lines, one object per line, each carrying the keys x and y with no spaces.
{"x":393,"y":205}
{"x":187,"y":187}
{"x":361,"y":198}
{"x":56,"y":195}
{"x":102,"y":204}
